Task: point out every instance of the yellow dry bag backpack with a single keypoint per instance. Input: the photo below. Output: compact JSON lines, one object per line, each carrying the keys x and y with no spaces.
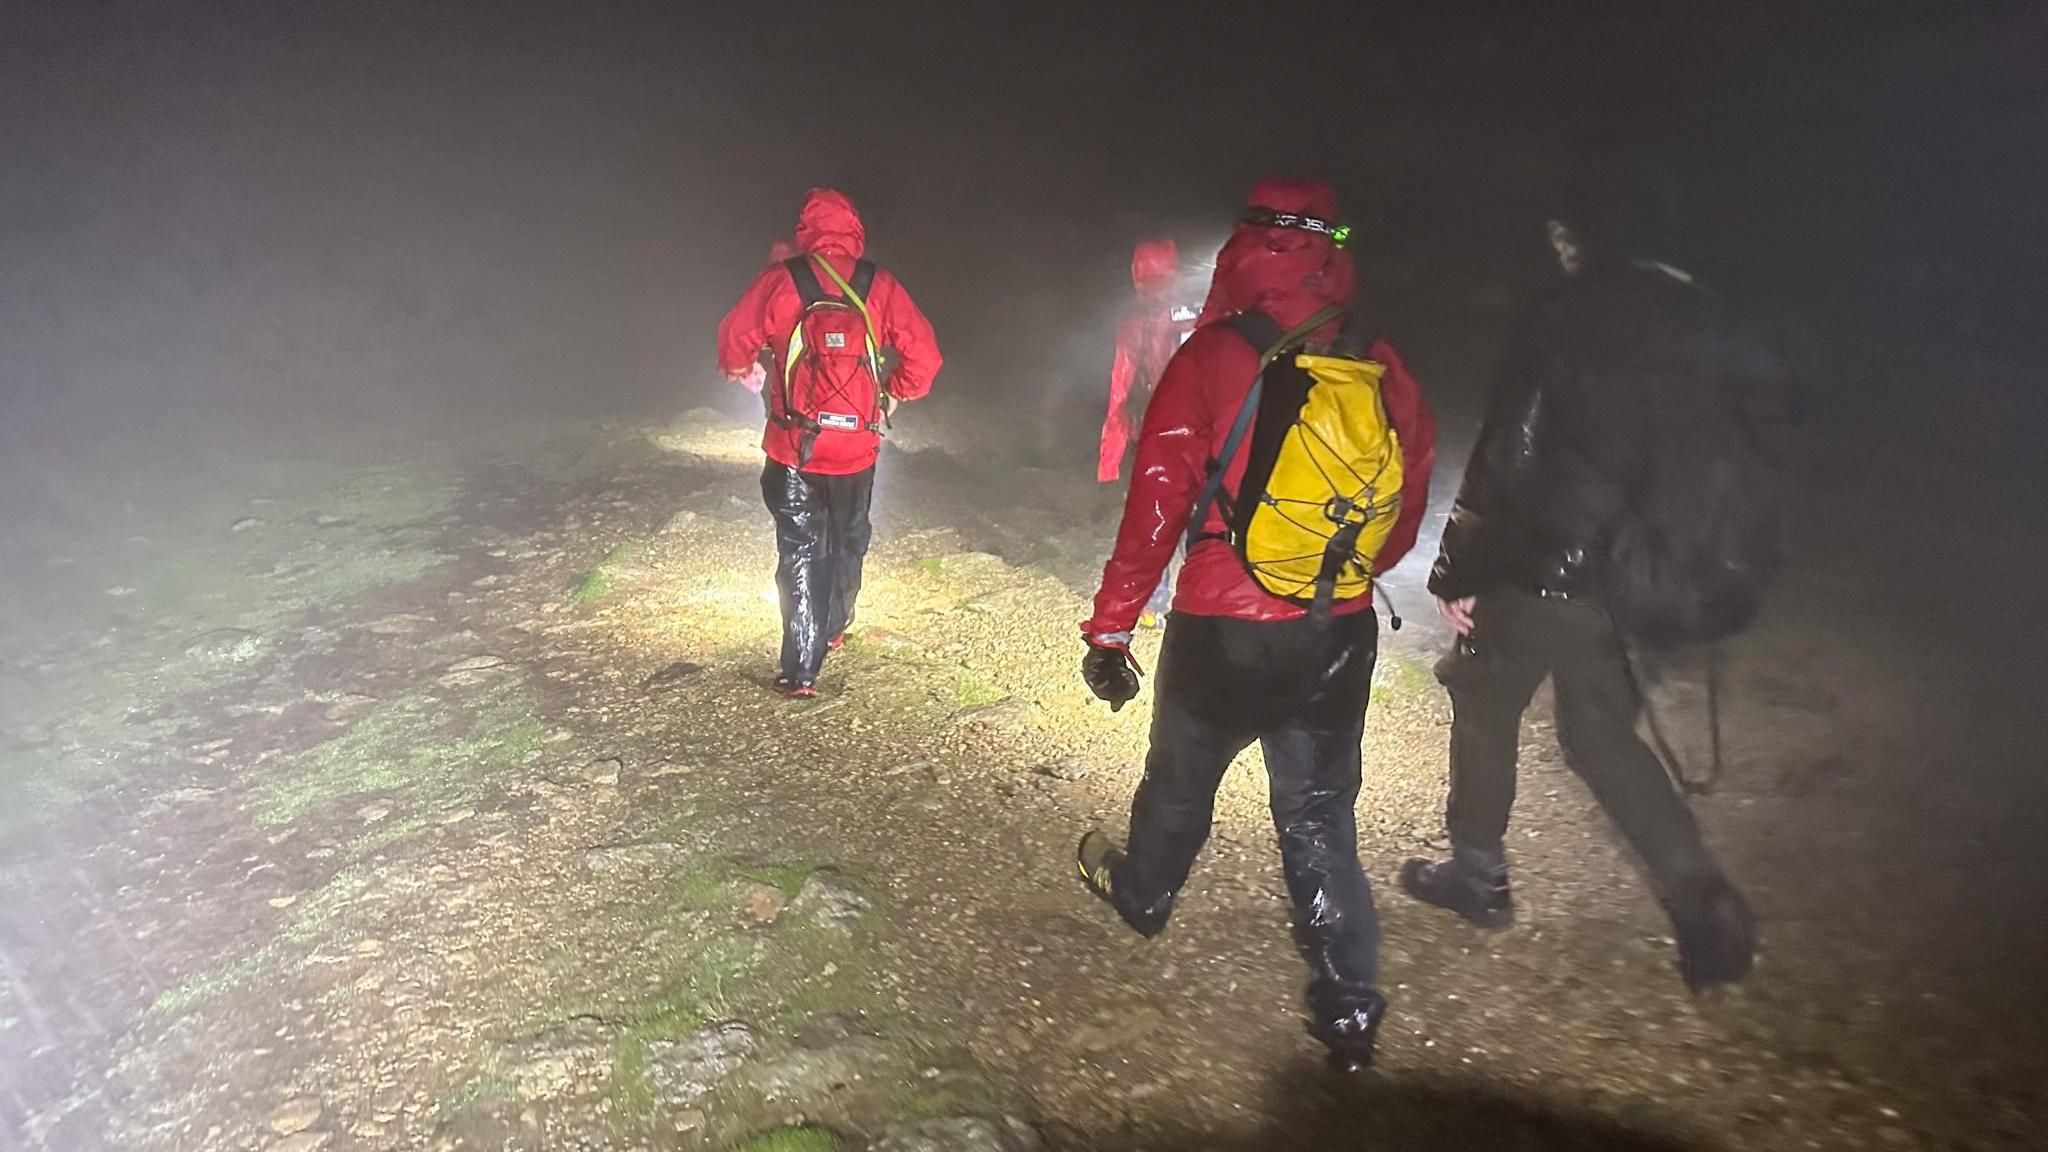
{"x":1322,"y":481}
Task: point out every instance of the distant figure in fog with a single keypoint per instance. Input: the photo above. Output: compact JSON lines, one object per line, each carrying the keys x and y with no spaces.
{"x":1623,"y":491}
{"x":825,"y":317}
{"x":1272,"y":636}
{"x":1151,"y":331}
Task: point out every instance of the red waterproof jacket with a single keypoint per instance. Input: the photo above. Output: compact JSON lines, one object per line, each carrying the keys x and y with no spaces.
{"x":770,"y":309}
{"x":1288,"y":275}
{"x":1145,"y":341}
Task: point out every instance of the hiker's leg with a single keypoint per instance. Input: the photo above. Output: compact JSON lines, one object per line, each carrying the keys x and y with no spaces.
{"x":851,"y":532}
{"x":1597,"y":705}
{"x":1193,"y":743}
{"x":1490,"y":677}
{"x":1313,"y":765}
{"x":799,"y":571}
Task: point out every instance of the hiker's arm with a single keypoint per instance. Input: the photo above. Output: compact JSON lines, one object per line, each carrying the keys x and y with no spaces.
{"x":1116,"y":424}
{"x":745,"y":330}
{"x":909,"y":334}
{"x":1416,"y":428}
{"x":1484,"y":525}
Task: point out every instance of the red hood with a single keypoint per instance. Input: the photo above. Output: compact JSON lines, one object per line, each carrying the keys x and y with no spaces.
{"x":829,"y":223}
{"x":780,"y":250}
{"x":1285,"y":273}
{"x":1155,"y":265}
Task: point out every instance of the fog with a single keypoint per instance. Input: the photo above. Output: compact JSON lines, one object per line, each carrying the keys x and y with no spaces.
{"x":219,"y":218}
{"x":385,"y":754}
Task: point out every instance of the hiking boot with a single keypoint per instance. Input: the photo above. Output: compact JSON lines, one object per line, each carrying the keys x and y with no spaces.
{"x":1716,"y":935}
{"x":1348,"y":1030}
{"x":1098,"y":855}
{"x":790,"y":689}
{"x":1481,"y":898}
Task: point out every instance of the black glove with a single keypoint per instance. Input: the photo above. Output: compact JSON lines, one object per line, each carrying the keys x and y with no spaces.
{"x":1110,"y":673}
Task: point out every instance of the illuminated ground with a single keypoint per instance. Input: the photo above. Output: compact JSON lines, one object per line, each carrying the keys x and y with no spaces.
{"x":443,"y":807}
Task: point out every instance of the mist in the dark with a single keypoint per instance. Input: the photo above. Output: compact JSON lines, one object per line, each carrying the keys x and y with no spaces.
{"x":275,"y":219}
{"x":357,"y":391}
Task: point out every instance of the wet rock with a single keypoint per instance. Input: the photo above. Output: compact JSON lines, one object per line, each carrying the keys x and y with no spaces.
{"x":763,"y":903}
{"x":1006,"y":710}
{"x":1065,"y":769}
{"x":604,"y":771}
{"x":302,"y":1142}
{"x":474,"y":670}
{"x":648,"y":857}
{"x":562,"y":1060}
{"x":961,"y":1134}
{"x":808,"y":1077}
{"x":294,"y":1116}
{"x":225,"y":646}
{"x":684,"y":1070}
{"x":672,"y":674}
{"x":830,"y":899}
{"x":680,"y":522}
{"x":399,"y":624}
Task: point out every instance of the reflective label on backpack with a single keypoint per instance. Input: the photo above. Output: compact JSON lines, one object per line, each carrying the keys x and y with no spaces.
{"x":835,"y":339}
{"x":838,"y":422}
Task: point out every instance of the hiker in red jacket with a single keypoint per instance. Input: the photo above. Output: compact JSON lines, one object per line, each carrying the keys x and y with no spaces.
{"x":1151,"y":331}
{"x":826,"y":317}
{"x":1238,"y":663}
{"x":1145,"y":341}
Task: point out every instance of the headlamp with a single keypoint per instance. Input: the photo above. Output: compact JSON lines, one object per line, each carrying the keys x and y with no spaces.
{"x":1339,"y":234}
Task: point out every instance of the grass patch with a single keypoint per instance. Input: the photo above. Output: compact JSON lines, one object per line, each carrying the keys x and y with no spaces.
{"x":309,"y":918}
{"x":486,"y":1089}
{"x":431,"y":751}
{"x":598,"y":582}
{"x":932,"y":565}
{"x":1399,"y":679}
{"x":700,"y":994}
{"x":788,"y":878}
{"x":971,"y":689}
{"x":804,"y":1138}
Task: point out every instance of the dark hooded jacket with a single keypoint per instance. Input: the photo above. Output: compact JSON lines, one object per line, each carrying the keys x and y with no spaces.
{"x":1289,"y":276}
{"x":1605,"y":381}
{"x":771,"y":308}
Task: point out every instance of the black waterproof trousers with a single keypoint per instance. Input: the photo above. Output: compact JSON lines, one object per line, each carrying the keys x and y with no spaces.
{"x":1518,"y":639}
{"x":821,"y":542}
{"x":1299,"y":688}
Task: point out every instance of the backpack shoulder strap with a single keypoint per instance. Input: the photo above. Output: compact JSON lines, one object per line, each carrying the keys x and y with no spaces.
{"x":1263,"y":333}
{"x":863,"y":280}
{"x":806,"y":279}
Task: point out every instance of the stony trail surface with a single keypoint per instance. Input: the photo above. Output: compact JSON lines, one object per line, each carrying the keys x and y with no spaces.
{"x":450,"y":810}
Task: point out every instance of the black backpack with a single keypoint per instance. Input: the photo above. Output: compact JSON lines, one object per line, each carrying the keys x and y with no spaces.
{"x":1702,"y":532}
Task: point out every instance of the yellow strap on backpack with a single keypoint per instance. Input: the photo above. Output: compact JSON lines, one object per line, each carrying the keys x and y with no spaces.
{"x":861,"y":306}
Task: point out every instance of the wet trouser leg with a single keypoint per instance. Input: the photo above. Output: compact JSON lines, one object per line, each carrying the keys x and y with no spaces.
{"x":1518,"y":639}
{"x":1300,"y":689}
{"x":847,"y":535}
{"x":803,"y":579}
{"x":1597,"y":705}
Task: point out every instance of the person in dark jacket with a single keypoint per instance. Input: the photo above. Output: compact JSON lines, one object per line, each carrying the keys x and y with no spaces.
{"x":1238,"y":664}
{"x":1583,"y":411}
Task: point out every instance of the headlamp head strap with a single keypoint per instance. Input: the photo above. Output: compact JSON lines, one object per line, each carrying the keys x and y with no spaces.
{"x":1338,"y":233}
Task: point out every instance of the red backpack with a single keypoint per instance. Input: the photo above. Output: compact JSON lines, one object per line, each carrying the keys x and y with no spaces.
{"x":832,"y":378}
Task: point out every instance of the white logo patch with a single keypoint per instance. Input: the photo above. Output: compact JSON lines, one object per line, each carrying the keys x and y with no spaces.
{"x":835,"y":339}
{"x":838,"y":422}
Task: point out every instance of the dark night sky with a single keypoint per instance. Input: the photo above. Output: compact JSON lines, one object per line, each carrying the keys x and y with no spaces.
{"x":291,"y":212}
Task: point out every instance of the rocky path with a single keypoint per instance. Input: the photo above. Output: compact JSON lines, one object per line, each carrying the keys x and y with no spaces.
{"x":461,"y":818}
